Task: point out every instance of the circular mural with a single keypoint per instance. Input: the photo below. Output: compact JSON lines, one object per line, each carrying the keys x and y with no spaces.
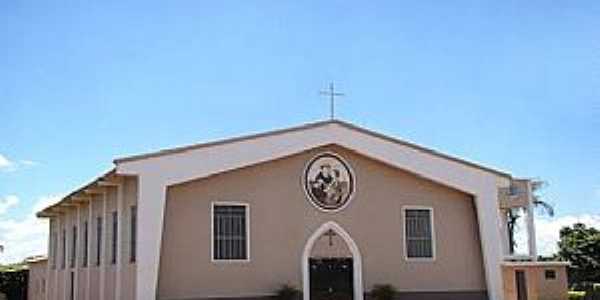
{"x":328,"y":181}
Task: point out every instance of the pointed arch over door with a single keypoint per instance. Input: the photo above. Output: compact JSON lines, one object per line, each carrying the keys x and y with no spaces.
{"x":356,"y":259}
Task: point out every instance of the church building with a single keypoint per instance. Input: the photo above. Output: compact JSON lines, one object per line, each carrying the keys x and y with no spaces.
{"x":329,"y":208}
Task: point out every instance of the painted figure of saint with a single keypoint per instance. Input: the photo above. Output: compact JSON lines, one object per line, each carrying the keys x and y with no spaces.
{"x":328,"y":187}
{"x":328,"y":181}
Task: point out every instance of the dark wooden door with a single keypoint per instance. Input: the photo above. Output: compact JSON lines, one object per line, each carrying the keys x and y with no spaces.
{"x":72,"y":286}
{"x":331,"y":279}
{"x":521,"y":285}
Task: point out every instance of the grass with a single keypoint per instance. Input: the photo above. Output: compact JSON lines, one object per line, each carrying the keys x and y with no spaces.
{"x":575,"y":295}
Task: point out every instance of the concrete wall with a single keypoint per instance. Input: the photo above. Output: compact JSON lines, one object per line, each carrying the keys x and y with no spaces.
{"x":538,"y":287}
{"x":102,"y":281}
{"x":36,"y":287}
{"x":281,"y":220}
{"x":330,"y":247}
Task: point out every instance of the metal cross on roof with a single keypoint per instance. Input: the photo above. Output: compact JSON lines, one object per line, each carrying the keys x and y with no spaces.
{"x":332,"y":94}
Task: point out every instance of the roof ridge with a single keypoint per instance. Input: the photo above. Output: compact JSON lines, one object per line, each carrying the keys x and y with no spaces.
{"x":193,"y":146}
{"x":348,"y":125}
{"x":306,"y":126}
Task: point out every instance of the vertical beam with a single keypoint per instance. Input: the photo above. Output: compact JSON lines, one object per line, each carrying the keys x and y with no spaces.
{"x":58,"y":241}
{"x":66,"y":253}
{"x":531,"y":224}
{"x":151,"y":205}
{"x":77,"y":252}
{"x":486,"y":201}
{"x":504,"y":232}
{"x":120,"y":227}
{"x":90,"y":229}
{"x":103,"y":248}
{"x":50,"y":259}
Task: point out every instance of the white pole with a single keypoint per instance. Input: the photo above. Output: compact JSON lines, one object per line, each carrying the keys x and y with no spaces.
{"x":103,"y":248}
{"x":531,"y":224}
{"x":119,"y":247}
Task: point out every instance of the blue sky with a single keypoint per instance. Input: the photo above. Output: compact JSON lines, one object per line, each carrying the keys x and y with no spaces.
{"x":512,"y":84}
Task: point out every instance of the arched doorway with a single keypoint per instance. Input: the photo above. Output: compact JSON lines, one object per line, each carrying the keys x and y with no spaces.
{"x":331,"y":264}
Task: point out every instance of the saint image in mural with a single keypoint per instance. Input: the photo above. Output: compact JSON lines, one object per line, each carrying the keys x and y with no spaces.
{"x":328,"y":181}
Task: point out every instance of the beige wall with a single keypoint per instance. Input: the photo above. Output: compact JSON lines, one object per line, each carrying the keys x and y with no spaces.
{"x":510,"y":284}
{"x":538,"y":287}
{"x":324,"y":247}
{"x":36,"y":287}
{"x":553,"y":289}
{"x":59,"y":278}
{"x":281,"y":220}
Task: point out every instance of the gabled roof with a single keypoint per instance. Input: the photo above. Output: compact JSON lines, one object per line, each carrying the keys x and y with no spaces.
{"x":305,"y":127}
{"x":260,"y":140}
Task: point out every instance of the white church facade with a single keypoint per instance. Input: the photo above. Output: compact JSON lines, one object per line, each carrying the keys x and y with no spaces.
{"x":329,"y":208}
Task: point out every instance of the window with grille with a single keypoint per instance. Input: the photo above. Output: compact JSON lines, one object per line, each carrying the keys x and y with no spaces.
{"x":115,"y":229}
{"x":98,"y":240}
{"x":73,"y":246}
{"x":550,"y":274}
{"x":419,"y":233}
{"x":133,"y":234}
{"x":64,"y":249}
{"x":85,"y":244}
{"x":54,"y":248}
{"x":230,"y":232}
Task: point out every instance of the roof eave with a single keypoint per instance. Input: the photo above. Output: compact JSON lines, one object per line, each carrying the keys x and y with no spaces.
{"x":72,"y":198}
{"x":308,"y":126}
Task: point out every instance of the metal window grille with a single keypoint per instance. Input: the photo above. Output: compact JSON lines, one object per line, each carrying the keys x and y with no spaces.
{"x":230,"y":232}
{"x":418,"y":233}
{"x":85,"y":244}
{"x":133,"y":233}
{"x":115,"y":229}
{"x":73,"y":246}
{"x":550,"y":274}
{"x":54,"y":242}
{"x":64,"y":249}
{"x":98,"y":240}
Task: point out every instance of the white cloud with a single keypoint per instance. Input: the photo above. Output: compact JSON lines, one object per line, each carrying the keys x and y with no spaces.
{"x":547,"y":230}
{"x":26,"y":236}
{"x":8,"y":165}
{"x":29,"y":163}
{"x":7,"y":202}
{"x":5,"y":164}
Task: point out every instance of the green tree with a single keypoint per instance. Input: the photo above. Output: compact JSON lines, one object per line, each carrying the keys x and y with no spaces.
{"x":580,"y":245}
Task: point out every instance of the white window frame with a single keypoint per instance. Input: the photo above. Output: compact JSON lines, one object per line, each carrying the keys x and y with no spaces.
{"x":212,"y":232}
{"x":433,"y":235}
